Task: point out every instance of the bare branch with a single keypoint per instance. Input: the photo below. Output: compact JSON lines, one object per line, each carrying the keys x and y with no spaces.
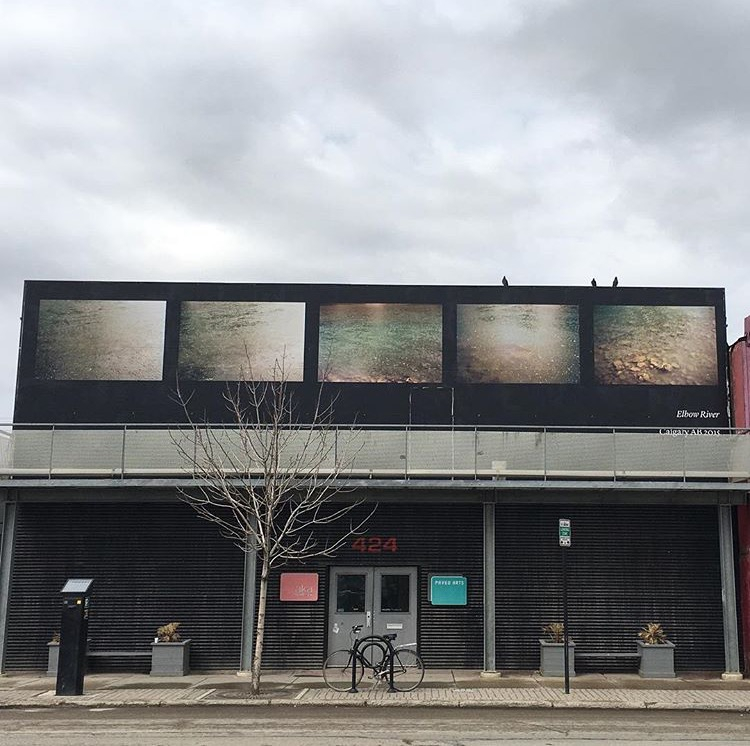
{"x":268,"y":481}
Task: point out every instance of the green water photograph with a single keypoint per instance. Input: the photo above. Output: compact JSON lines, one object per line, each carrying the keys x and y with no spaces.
{"x":381,"y":343}
{"x":655,"y":345}
{"x":236,"y":340}
{"x":517,"y":343}
{"x":100,"y":340}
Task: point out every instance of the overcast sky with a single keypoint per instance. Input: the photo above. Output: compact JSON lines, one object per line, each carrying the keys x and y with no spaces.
{"x":377,"y":141}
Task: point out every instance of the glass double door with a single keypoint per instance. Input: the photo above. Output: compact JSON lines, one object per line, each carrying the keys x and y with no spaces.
{"x":382,"y":599}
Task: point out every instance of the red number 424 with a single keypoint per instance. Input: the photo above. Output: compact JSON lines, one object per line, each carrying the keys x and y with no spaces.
{"x":375,"y":544}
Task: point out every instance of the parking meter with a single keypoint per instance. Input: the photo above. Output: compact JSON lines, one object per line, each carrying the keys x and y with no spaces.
{"x":71,"y":665}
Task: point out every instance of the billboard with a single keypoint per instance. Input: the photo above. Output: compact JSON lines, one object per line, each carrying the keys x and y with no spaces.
{"x":224,"y":341}
{"x":392,"y":355}
{"x":100,"y":340}
{"x":655,"y":345}
{"x":380,"y":343}
{"x":518,"y":343}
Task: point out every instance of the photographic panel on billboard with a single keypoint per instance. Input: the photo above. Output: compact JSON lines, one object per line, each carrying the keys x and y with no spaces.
{"x":381,"y":343}
{"x":655,"y":345}
{"x":518,"y":343}
{"x":236,"y":340}
{"x":100,"y":340}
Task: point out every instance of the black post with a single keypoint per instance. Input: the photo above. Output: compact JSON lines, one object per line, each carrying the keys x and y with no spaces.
{"x":565,"y":618}
{"x":355,"y":647}
{"x":71,"y":664}
{"x":391,"y":656}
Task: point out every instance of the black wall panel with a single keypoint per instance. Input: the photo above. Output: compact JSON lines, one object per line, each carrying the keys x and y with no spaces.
{"x":437,"y":539}
{"x":151,"y":564}
{"x":444,"y":402}
{"x":627,"y":566}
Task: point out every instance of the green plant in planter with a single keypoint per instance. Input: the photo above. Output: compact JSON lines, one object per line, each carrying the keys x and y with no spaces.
{"x":555,"y":631}
{"x":169,"y":633}
{"x":653,"y":634}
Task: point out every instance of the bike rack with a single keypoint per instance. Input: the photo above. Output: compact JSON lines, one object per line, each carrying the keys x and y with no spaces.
{"x":355,"y":650}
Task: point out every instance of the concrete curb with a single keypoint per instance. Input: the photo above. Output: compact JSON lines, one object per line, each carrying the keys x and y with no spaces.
{"x":695,"y":700}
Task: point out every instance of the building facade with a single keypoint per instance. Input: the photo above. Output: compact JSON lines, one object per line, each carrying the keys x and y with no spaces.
{"x":739,"y":364}
{"x":483,"y":415}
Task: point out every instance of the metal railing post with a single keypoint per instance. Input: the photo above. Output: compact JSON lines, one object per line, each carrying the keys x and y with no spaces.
{"x":544,"y":453}
{"x":195,"y":451}
{"x":684,"y":458}
{"x":614,"y":455}
{"x":476,"y":452}
{"x":51,"y":452}
{"x":407,"y":445}
{"x":453,"y":452}
{"x":122,"y":455}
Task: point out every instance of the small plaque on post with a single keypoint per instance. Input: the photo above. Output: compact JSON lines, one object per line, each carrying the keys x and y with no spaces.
{"x":564,"y":532}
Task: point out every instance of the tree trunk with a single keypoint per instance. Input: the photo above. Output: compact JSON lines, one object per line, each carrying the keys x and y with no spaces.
{"x":259,"y":630}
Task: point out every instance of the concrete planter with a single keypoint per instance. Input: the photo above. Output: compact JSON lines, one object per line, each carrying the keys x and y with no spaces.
{"x":170,"y":658}
{"x":657,"y":661}
{"x":53,"y":655}
{"x":552,"y":658}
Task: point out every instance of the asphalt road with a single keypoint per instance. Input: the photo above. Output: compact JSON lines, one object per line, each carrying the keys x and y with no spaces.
{"x":358,"y":726}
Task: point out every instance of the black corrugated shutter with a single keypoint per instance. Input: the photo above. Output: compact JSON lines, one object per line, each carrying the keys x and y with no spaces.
{"x":437,"y":539}
{"x":628,"y":565}
{"x":151,"y":564}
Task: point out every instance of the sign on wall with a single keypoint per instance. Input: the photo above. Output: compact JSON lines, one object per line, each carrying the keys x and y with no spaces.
{"x":448,"y":590}
{"x":299,"y":586}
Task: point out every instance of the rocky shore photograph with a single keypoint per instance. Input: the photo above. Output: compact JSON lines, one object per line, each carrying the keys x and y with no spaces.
{"x":655,"y":345}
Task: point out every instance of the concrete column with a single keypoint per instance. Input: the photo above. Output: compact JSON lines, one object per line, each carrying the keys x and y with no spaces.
{"x":248,"y":610}
{"x":489,"y":590}
{"x":728,"y":595}
{"x":8,"y":510}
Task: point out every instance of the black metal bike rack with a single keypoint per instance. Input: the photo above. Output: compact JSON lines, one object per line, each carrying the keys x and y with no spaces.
{"x":391,"y":654}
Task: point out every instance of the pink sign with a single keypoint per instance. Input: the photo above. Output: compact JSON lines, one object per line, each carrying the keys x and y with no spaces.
{"x":299,"y":586}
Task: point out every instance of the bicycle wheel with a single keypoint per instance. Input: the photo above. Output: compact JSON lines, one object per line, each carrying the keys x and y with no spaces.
{"x":337,"y":670}
{"x":408,"y":670}
{"x":372,"y":654}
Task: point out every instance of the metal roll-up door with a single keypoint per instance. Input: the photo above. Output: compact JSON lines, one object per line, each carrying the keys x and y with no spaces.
{"x":151,"y":564}
{"x":436,"y":539}
{"x":628,"y":565}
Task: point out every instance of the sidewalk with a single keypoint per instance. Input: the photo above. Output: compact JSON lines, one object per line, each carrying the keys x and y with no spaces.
{"x":441,"y":688}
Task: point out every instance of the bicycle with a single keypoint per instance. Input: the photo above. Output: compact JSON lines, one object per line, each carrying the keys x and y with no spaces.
{"x":402,"y":668}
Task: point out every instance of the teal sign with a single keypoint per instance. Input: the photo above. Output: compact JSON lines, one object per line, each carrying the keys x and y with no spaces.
{"x":448,"y":590}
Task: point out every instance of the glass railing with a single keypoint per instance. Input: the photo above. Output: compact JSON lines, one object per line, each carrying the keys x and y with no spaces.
{"x":118,"y":451}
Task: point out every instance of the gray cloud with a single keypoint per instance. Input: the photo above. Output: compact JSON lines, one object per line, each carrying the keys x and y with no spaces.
{"x":361,"y":141}
{"x":653,"y":67}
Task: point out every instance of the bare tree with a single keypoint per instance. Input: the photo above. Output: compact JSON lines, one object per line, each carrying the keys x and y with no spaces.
{"x":269,"y":481}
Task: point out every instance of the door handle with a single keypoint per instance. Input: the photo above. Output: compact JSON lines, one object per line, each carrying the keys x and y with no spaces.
{"x":368,"y":618}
